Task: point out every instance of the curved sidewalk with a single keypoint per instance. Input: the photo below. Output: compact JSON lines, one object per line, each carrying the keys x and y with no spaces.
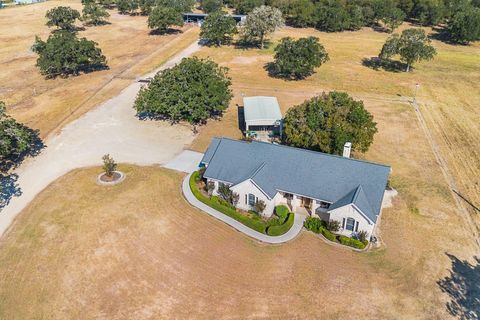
{"x":289,"y":235}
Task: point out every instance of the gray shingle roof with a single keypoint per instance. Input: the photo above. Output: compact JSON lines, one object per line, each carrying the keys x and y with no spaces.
{"x":316,"y":175}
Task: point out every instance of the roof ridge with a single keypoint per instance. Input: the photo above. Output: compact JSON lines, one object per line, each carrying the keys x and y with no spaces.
{"x":310,"y":151}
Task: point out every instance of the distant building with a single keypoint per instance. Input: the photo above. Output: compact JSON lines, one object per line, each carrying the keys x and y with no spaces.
{"x":190,"y":17}
{"x":28,"y":1}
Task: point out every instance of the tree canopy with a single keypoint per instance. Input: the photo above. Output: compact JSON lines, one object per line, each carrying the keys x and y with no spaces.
{"x":246,"y":6}
{"x":260,"y":22}
{"x":65,"y":54}
{"x":326,"y":122}
{"x":194,"y":91}
{"x":16,"y":141}
{"x":209,"y":6}
{"x":412,"y":45}
{"x":297,"y":59}
{"x":218,"y":28}
{"x":62,"y":17}
{"x":464,"y":25}
{"x":94,"y":14}
{"x":161,"y":18}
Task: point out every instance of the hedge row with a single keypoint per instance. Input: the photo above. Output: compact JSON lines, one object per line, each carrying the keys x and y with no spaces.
{"x":254,"y":222}
{"x":352,"y":242}
{"x":283,"y":228}
{"x":318,"y":226}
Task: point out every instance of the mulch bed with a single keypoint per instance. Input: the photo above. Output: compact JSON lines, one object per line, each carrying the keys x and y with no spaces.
{"x":113,"y":178}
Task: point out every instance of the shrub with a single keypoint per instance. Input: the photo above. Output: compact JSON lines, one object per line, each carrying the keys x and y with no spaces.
{"x":313,"y":224}
{"x":327,"y":234}
{"x":281,"y":212}
{"x":283,"y":228}
{"x":352,"y":242}
{"x":362,"y":236}
{"x":333,"y":225}
{"x":109,"y":165}
{"x":260,"y":206}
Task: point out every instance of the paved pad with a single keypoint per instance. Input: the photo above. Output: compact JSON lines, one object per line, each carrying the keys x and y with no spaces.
{"x":187,"y":161}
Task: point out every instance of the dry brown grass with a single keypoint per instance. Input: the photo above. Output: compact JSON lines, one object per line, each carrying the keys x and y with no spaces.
{"x":139,"y":251}
{"x":49,"y":104}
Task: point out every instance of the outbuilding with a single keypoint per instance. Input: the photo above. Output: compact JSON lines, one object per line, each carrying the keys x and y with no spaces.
{"x":262,"y":116}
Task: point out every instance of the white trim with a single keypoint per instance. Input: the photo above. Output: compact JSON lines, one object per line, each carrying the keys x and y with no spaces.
{"x":301,"y":195}
{"x":361,"y":213}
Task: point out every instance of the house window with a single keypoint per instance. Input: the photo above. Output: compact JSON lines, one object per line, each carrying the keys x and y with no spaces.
{"x":323,"y":204}
{"x":251,"y":199}
{"x":350,"y":224}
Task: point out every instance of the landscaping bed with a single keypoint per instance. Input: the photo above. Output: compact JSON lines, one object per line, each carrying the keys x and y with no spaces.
{"x":318,"y":226}
{"x":272,"y":227}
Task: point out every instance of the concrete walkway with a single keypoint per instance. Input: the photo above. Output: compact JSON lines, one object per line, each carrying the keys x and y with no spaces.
{"x":110,"y":128}
{"x":187,"y":161}
{"x":291,"y":234}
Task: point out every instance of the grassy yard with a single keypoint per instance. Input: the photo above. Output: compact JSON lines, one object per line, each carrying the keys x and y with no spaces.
{"x":49,"y":104}
{"x":138,"y":250}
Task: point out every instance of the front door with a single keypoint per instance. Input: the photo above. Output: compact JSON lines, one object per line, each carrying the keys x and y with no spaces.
{"x":306,"y":203}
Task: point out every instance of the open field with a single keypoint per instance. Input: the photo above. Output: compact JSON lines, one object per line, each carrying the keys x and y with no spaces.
{"x":449,"y":98}
{"x":138,"y":250}
{"x":49,"y":104}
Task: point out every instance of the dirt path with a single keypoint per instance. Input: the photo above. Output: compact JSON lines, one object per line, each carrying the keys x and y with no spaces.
{"x":470,"y":224}
{"x":111,"y":128}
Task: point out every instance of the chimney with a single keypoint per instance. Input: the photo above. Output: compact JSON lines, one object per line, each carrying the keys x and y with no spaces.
{"x":347,"y":148}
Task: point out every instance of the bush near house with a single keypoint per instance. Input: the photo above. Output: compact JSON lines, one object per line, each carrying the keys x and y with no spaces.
{"x":253,"y":221}
{"x":281,"y":212}
{"x":352,"y":242}
{"x":318,"y":226}
{"x":283,"y":228}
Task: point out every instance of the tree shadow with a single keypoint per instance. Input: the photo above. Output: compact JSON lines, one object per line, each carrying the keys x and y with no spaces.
{"x":440,"y":33}
{"x":251,"y":44}
{"x":33,"y":149}
{"x":273,"y":72}
{"x":8,"y":189}
{"x":168,"y":31}
{"x":98,"y":24}
{"x":376,"y":63}
{"x":463,"y":287}
{"x":379,"y":28}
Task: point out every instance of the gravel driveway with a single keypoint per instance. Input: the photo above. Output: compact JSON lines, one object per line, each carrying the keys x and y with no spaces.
{"x":110,"y":128}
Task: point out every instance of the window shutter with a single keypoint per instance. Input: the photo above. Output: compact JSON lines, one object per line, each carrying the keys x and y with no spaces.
{"x":246,"y":198}
{"x":356,"y":226}
{"x":343,"y":223}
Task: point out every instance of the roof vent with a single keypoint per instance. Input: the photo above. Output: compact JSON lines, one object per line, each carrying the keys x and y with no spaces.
{"x":347,"y":148}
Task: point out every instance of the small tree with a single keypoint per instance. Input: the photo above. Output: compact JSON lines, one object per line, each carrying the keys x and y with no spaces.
{"x":161,"y":18}
{"x":62,"y":17}
{"x":218,"y":28}
{"x":225,"y":192}
{"x":235,"y":198}
{"x":210,"y":187}
{"x":109,"y":165}
{"x":325,"y":123}
{"x":64,"y":54}
{"x":412,"y":46}
{"x":94,"y":14}
{"x":333,"y":225}
{"x":209,"y":6}
{"x":362,"y":235}
{"x":260,"y":206}
{"x":260,"y":22}
{"x":393,"y":19}
{"x":297,"y":59}
{"x":193,"y":90}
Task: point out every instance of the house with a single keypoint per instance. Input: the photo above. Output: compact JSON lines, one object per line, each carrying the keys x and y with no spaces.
{"x":28,"y":1}
{"x":263,"y":118}
{"x":321,"y":185}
